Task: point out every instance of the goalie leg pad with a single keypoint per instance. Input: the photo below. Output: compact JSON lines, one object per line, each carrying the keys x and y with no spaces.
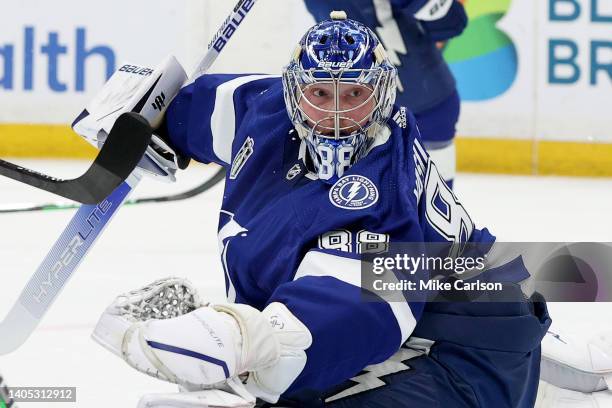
{"x":231,"y":395}
{"x":198,"y":399}
{"x":570,"y":363}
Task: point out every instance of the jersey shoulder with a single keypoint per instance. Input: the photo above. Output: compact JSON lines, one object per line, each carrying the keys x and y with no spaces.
{"x":385,"y":185}
{"x":408,"y":157}
{"x":204,"y":117}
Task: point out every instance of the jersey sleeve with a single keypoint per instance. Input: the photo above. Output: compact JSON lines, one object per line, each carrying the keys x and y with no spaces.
{"x":450,"y":25}
{"x":201,"y":122}
{"x":351,"y":328}
{"x":444,"y":219}
{"x":442,"y":216}
{"x":439,"y":22}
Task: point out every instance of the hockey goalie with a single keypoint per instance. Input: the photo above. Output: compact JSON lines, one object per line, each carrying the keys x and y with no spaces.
{"x":320,"y":161}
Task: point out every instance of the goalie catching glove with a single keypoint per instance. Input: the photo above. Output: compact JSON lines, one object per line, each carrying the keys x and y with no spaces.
{"x":166,"y":331}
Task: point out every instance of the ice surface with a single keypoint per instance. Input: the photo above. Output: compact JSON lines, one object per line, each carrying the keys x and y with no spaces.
{"x":147,"y":242}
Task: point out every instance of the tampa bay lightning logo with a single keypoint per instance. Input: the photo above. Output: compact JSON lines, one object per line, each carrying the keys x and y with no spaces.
{"x":353,"y":193}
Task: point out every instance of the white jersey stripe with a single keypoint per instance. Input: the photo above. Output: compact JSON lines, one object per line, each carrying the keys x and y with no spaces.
{"x":445,"y":159}
{"x":348,"y":270}
{"x":321,"y":264}
{"x":223,"y":119}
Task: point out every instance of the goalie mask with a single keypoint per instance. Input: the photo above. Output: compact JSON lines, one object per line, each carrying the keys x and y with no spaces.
{"x":339,"y":90}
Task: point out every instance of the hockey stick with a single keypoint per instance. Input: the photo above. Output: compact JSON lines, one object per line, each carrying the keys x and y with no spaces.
{"x":116,"y":160}
{"x":70,"y":249}
{"x":199,"y":189}
{"x":6,"y":401}
{"x":63,"y":259}
{"x":86,"y":225}
{"x":106,"y":173}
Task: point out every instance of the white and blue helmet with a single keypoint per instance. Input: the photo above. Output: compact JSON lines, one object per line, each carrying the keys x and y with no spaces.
{"x":337,"y":52}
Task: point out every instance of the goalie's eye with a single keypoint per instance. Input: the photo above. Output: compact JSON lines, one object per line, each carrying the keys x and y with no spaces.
{"x":318,"y":92}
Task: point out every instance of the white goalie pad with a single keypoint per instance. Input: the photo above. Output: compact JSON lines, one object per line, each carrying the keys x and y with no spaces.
{"x":568,"y":362}
{"x":550,"y":396}
{"x":232,"y":395}
{"x":199,"y":399}
{"x":137,"y":89}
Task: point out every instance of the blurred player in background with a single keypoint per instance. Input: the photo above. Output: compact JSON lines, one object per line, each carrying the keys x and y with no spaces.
{"x":411,"y":31}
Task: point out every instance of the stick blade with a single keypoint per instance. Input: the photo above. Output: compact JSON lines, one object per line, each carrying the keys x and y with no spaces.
{"x":123,"y":149}
{"x":126,"y":144}
{"x":16,"y":328}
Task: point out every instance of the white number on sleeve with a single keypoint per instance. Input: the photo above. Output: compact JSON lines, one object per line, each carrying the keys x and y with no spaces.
{"x":442,"y":209}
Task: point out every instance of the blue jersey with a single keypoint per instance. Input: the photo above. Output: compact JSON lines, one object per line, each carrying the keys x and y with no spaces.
{"x":425,"y":79}
{"x":287,"y":237}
